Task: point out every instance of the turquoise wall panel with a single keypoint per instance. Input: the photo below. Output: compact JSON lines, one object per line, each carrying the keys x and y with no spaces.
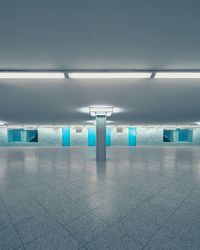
{"x":14,"y":135}
{"x":91,"y":136}
{"x":108,"y":136}
{"x":132,"y":136}
{"x":66,"y":136}
{"x":184,"y":135}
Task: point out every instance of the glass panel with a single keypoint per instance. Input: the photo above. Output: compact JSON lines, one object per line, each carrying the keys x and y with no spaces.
{"x":31,"y":135}
{"x":168,"y":135}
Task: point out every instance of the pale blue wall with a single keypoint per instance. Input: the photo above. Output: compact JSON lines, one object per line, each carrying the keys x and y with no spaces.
{"x":79,"y":139}
{"x":153,"y":136}
{"x":196,"y":136}
{"x":3,"y":136}
{"x":46,"y":137}
{"x":149,"y":136}
{"x":50,"y":136}
{"x":145,"y":136}
{"x":119,"y":139}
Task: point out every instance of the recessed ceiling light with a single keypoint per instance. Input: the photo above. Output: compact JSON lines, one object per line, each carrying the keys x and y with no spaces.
{"x":177,"y":75}
{"x":111,"y":75}
{"x":31,"y":75}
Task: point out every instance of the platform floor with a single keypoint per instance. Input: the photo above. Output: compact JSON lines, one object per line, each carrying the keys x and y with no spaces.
{"x":59,"y":198}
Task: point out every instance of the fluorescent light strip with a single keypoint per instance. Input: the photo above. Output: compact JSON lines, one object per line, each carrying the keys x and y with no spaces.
{"x":98,"y":75}
{"x":181,"y":75}
{"x":113,"y":75}
{"x":32,"y":75}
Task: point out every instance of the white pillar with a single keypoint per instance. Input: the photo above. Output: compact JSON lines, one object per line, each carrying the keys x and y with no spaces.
{"x":101,"y":138}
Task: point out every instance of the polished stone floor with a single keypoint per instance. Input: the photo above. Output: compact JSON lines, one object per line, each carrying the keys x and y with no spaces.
{"x":59,"y":198}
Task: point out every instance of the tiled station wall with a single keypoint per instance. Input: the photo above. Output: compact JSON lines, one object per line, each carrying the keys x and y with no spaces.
{"x":119,"y":139}
{"x":153,"y":136}
{"x":145,"y":136}
{"x":46,"y":137}
{"x":79,"y":139}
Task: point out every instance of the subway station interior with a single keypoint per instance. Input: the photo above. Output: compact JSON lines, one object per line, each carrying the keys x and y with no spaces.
{"x":99,"y":125}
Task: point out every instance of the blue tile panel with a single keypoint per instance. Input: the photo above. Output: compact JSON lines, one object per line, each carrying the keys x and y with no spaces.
{"x":91,"y":136}
{"x":66,"y":136}
{"x":184,"y":135}
{"x":108,"y":136}
{"x":14,"y":135}
{"x":132,"y":136}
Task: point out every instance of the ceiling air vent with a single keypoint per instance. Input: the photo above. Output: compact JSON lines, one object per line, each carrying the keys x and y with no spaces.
{"x":119,"y":130}
{"x":78,"y":129}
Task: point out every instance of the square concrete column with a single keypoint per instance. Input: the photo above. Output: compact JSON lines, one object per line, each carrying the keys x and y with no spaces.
{"x":101,"y":138}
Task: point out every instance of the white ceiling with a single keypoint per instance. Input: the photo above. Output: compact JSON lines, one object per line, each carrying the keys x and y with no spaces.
{"x":91,"y":35}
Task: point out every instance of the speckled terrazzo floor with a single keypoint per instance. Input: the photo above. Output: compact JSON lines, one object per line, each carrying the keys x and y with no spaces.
{"x":60,"y":198}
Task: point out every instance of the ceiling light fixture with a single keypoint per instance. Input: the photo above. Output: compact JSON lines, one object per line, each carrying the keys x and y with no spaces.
{"x":31,"y":75}
{"x":2,"y":123}
{"x":101,"y":111}
{"x":182,"y":75}
{"x":112,"y":75}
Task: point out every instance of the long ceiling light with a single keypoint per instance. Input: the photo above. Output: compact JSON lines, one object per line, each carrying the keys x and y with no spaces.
{"x":177,"y":75}
{"x":31,"y":75}
{"x":110,"y":74}
{"x":98,"y":74}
